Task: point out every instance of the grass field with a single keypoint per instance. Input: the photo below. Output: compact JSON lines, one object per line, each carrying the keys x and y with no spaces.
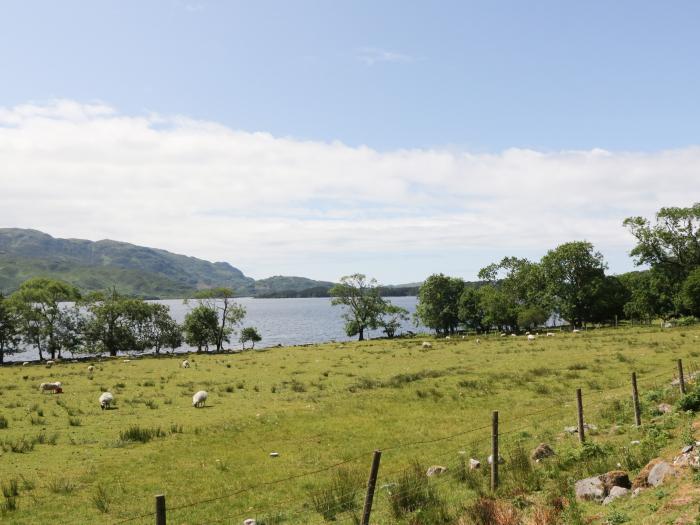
{"x":324,"y":409}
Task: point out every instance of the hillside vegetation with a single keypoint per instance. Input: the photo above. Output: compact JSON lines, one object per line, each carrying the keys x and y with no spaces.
{"x":324,"y":409}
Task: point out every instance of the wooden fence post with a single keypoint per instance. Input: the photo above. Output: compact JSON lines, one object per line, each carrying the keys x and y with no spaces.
{"x":160,"y":509}
{"x":494,"y":451}
{"x":371,"y":484}
{"x":681,"y":379}
{"x":635,"y":400}
{"x":579,"y":406}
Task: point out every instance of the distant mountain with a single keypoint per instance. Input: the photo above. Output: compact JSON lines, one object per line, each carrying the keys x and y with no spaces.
{"x":283,"y":286}
{"x":135,"y":270}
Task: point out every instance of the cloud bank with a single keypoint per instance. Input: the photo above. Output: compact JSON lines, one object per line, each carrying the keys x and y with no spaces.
{"x":280,"y":205}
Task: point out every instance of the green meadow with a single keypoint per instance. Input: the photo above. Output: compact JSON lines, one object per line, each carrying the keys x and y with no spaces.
{"x":324,"y":409}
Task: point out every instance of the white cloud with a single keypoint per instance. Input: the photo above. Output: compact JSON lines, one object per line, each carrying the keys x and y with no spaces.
{"x":372,"y":55}
{"x":278,"y":205}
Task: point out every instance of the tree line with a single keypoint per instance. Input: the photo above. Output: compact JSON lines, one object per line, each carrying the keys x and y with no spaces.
{"x":53,"y":317}
{"x":569,"y":282}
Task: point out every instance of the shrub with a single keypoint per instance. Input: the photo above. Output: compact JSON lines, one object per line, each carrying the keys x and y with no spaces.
{"x":489,"y":511}
{"x":74,"y":421}
{"x":3,"y":422}
{"x":101,"y":499}
{"x":137,"y":433}
{"x":690,"y":401}
{"x":10,"y":491}
{"x":339,"y":496}
{"x":61,"y":485}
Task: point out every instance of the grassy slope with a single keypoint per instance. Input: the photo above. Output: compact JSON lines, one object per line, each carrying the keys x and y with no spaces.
{"x":316,"y":406}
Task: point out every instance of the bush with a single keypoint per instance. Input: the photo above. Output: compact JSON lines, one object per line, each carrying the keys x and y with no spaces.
{"x":101,"y":499}
{"x":339,"y":496}
{"x":3,"y":422}
{"x":489,"y":511}
{"x":690,"y":401}
{"x":140,"y":434}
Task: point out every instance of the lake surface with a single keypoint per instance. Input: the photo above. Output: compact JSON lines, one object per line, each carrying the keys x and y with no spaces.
{"x":283,"y":322}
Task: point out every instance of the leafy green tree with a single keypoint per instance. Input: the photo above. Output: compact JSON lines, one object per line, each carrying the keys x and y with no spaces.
{"x":672,"y":245}
{"x":9,"y":329}
{"x":229,"y":313}
{"x":250,"y":334}
{"x":500,"y":311}
{"x":201,"y":327}
{"x":531,"y":317}
{"x":690,"y":293}
{"x":650,"y":295}
{"x":610,"y":301}
{"x":438,"y":303}
{"x":363,"y":304}
{"x":38,"y":303}
{"x":391,"y":318}
{"x":470,"y":310}
{"x":115,"y":323}
{"x":159,"y":329}
{"x":574,"y":274}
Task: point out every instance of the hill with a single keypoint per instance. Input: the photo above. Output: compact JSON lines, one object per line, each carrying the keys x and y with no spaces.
{"x":283,"y":286}
{"x":137,"y":270}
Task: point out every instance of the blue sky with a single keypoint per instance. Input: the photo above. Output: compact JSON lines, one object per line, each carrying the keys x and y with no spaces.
{"x":381,"y":86}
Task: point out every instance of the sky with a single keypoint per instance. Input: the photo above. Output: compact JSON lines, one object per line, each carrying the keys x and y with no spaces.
{"x":316,"y":138}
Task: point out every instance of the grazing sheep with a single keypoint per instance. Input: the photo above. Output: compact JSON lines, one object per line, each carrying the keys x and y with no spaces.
{"x":503,"y":335}
{"x":550,"y":334}
{"x":426,"y":344}
{"x":530,"y":337}
{"x":199,"y":399}
{"x":25,"y":363}
{"x":55,"y":387}
{"x":447,"y":337}
{"x":527,"y":333}
{"x":478,"y":341}
{"x":91,"y":369}
{"x":575,"y":330}
{"x":49,"y":364}
{"x":185,"y":364}
{"x":106,"y":399}
{"x":513,"y":335}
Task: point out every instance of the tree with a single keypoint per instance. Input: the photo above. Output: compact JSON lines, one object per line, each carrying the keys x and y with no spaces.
{"x":391,"y":318}
{"x":574,"y":273}
{"x":9,"y":329}
{"x":690,"y":293}
{"x":499,"y":309}
{"x":438,"y":303}
{"x":672,"y":245}
{"x":115,"y":323}
{"x":649,"y":295}
{"x":250,"y":334}
{"x":229,"y":313}
{"x":470,"y":310}
{"x":531,"y":317}
{"x":610,"y":301}
{"x":38,"y":302}
{"x":160,"y":330}
{"x":201,"y":327}
{"x":363,"y":304}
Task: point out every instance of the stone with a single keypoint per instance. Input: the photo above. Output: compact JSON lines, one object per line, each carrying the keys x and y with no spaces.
{"x":664,"y":408}
{"x":635,"y":442}
{"x":659,"y":473}
{"x":615,"y":478}
{"x":591,"y":489}
{"x":615,"y":492}
{"x":641,"y":479}
{"x":435,"y":470}
{"x":474,"y":464}
{"x":571,"y":430}
{"x":687,"y":459}
{"x":542,"y":451}
{"x":636,"y":492}
{"x":687,"y":449}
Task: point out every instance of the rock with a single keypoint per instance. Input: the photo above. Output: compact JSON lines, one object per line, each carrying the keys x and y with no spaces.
{"x":586,"y":426}
{"x":687,"y":449}
{"x":542,"y":451}
{"x":636,"y":492}
{"x":615,"y":492}
{"x":590,"y":489}
{"x":500,"y":459}
{"x":641,"y":479}
{"x":659,"y":473}
{"x":571,"y":430}
{"x":687,"y":459}
{"x":474,"y":464}
{"x":615,"y":478}
{"x":435,"y":470}
{"x":635,"y":442}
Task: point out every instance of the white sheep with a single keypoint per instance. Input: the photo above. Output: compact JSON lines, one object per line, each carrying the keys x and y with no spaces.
{"x":55,"y":387}
{"x":25,"y":363}
{"x":426,"y":344}
{"x":447,"y":337}
{"x":478,"y":341}
{"x":185,"y":364}
{"x":530,"y":337}
{"x":49,"y":364}
{"x":199,"y":399}
{"x":91,"y":369}
{"x":106,"y":399}
{"x":575,"y":330}
{"x":550,"y":334}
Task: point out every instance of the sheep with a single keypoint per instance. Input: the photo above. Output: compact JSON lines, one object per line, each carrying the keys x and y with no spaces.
{"x":91,"y":369}
{"x":106,"y":399}
{"x":530,"y":337}
{"x":49,"y":364}
{"x":550,"y":334}
{"x":575,"y":330}
{"x":26,"y":363}
{"x":185,"y":364}
{"x":503,"y":335}
{"x":199,"y":399}
{"x":447,"y":337}
{"x":426,"y":344}
{"x":55,"y":387}
{"x":478,"y":341}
